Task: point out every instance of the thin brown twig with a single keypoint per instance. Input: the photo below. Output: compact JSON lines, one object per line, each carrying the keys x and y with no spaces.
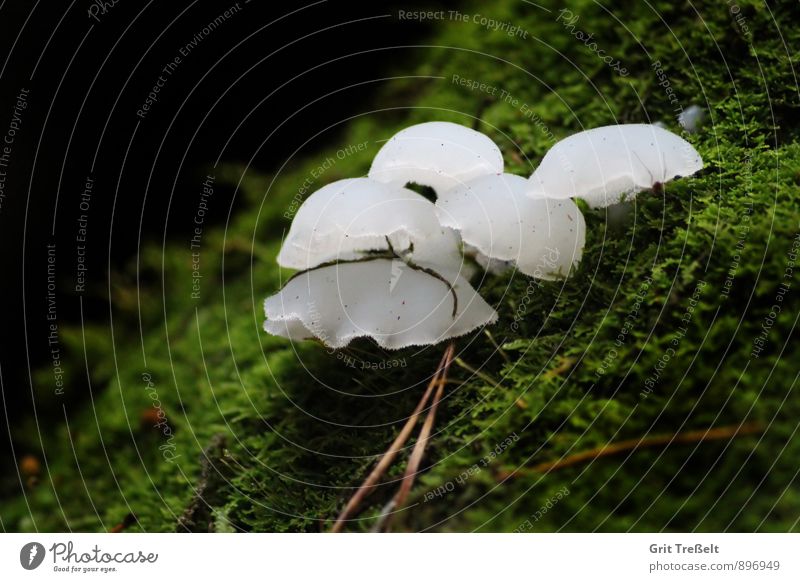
{"x":475,"y":372}
{"x":498,"y":348}
{"x":688,"y":437}
{"x":367,"y":486}
{"x":419,"y":448}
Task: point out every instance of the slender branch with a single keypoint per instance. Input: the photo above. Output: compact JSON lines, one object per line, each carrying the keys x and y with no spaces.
{"x":688,"y":437}
{"x":367,"y":486}
{"x":482,"y":375}
{"x":425,"y":270}
{"x":419,"y":448}
{"x":497,"y":346}
{"x":565,"y":365}
{"x":424,"y":435}
{"x":366,"y":259}
{"x":436,"y":275}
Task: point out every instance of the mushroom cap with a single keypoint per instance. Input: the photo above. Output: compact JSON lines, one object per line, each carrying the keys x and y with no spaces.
{"x":387,"y":300}
{"x":349,"y":219}
{"x":608,"y":164}
{"x":438,"y":154}
{"x":543,"y":236}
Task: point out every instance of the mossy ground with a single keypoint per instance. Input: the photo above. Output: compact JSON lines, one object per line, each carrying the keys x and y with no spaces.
{"x":687,"y":281}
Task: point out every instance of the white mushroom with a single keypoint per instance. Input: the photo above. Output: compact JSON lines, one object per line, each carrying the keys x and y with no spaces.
{"x":606,"y":165}
{"x":350,"y":219}
{"x":543,"y":236}
{"x":387,"y":300}
{"x":437,"y":154}
{"x":691,"y":118}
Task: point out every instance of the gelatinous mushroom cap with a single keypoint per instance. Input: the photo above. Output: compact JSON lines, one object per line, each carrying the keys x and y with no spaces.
{"x":543,"y":236}
{"x":386,"y":300}
{"x":437,"y":154}
{"x":350,"y":219}
{"x":609,"y":164}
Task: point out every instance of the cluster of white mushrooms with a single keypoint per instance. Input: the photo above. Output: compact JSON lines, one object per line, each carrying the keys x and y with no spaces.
{"x":378,"y":260}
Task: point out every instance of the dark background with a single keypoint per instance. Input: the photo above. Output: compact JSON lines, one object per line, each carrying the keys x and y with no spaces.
{"x":86,"y":81}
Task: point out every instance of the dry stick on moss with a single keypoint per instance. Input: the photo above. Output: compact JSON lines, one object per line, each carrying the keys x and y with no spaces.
{"x":692,"y":436}
{"x":475,"y":372}
{"x":419,"y":448}
{"x":387,"y":458}
{"x":497,"y":346}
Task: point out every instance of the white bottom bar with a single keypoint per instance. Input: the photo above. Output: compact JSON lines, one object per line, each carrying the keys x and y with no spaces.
{"x":400,"y":557}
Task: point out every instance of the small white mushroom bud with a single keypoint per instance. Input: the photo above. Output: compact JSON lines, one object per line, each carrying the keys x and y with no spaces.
{"x":389,"y":301}
{"x":543,"y":236}
{"x":351,"y":219}
{"x":607,"y":165}
{"x":437,"y":154}
{"x":692,"y":118}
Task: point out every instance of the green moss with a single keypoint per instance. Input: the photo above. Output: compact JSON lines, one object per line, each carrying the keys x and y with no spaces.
{"x":655,"y":335}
